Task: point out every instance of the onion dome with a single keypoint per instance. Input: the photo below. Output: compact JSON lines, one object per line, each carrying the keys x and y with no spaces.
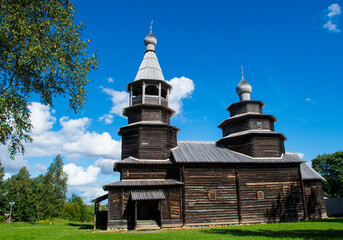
{"x":150,"y":42}
{"x":243,"y":89}
{"x":150,"y":68}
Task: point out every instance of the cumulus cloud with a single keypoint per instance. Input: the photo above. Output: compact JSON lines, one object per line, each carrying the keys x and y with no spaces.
{"x":40,"y":167}
{"x":77,"y":175}
{"x":11,"y":166}
{"x":41,"y":118}
{"x":105,"y":165}
{"x":333,"y":11}
{"x":182,"y":88}
{"x":89,"y":191}
{"x":7,"y":176}
{"x":120,"y":100}
{"x":110,"y":80}
{"x":94,"y":144}
{"x":300,"y":155}
{"x":331,"y":27}
{"x":73,"y":139}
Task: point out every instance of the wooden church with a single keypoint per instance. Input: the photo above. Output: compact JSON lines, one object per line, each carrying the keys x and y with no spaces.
{"x":244,"y":177}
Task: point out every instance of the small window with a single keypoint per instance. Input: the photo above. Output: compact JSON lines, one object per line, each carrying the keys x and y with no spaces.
{"x":212,"y":195}
{"x":260,"y":195}
{"x":287,"y":190}
{"x":307,"y":191}
{"x":259,"y":125}
{"x":191,"y":204}
{"x":151,"y":90}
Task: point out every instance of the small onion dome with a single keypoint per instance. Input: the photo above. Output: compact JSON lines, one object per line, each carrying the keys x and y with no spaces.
{"x":150,"y":42}
{"x":243,"y":90}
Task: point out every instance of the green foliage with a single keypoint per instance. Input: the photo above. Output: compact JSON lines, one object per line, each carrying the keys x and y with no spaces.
{"x":53,"y":189}
{"x":20,"y":191}
{"x":330,"y":166}
{"x":76,"y":210}
{"x":41,"y":52}
{"x":3,"y":201}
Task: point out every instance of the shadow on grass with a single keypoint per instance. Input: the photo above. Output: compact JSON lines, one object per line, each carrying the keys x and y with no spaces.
{"x":304,"y":234}
{"x":337,"y":220}
{"x":82,"y":226}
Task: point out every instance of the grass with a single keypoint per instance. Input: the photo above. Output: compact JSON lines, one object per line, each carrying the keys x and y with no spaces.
{"x":331,"y":228}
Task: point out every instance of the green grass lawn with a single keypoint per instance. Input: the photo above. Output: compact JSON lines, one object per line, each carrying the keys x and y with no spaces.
{"x":331,"y":228}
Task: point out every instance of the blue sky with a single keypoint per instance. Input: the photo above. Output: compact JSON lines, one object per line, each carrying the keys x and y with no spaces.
{"x":292,"y":56}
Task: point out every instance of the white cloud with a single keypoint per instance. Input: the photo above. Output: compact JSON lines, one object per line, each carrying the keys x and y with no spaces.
{"x":40,"y":167}
{"x":41,"y":118}
{"x":309,"y":100}
{"x":107,"y":118}
{"x":106,"y":165}
{"x":72,"y":139}
{"x":79,"y":176}
{"x":182,"y":88}
{"x":7,"y":176}
{"x":331,"y":26}
{"x":120,"y":100}
{"x":94,"y":144}
{"x":110,"y":80}
{"x":11,"y":166}
{"x":334,"y":9}
{"x":89,"y":191}
{"x":300,"y":155}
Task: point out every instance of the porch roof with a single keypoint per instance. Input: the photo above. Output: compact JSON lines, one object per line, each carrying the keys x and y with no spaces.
{"x":99,"y":199}
{"x":147,"y":195}
{"x":142,"y":182}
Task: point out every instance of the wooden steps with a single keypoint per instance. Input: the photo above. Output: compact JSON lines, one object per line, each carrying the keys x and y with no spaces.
{"x":147,"y":225}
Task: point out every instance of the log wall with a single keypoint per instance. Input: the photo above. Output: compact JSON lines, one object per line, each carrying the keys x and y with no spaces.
{"x":199,"y":208}
{"x":315,"y":203}
{"x":277,"y":205}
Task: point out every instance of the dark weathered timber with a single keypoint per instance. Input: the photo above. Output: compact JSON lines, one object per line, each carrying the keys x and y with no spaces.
{"x":315,"y":204}
{"x":276,"y":206}
{"x":244,"y":107}
{"x":199,"y":209}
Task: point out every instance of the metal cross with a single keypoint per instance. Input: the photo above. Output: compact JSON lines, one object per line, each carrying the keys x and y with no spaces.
{"x":242,"y":70}
{"x":152,"y":21}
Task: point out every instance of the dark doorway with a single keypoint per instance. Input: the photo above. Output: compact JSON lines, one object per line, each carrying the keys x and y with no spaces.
{"x":148,"y":210}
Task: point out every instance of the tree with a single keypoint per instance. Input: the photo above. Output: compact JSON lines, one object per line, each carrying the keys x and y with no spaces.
{"x":330,"y":166}
{"x":76,"y":210}
{"x":54,"y":189}
{"x":20,"y":191}
{"x":41,"y":53}
{"x":3,"y":201}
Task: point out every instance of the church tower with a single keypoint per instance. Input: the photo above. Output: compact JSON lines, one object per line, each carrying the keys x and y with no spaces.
{"x":248,"y":130}
{"x":148,"y":134}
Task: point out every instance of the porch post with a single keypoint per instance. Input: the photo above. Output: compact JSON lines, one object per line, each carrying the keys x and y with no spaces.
{"x":160,"y":206}
{"x":135,"y":223}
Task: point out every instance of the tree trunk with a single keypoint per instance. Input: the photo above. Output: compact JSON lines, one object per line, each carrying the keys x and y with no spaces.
{"x":51,"y":220}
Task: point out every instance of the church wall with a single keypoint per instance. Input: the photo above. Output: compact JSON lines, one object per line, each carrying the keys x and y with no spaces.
{"x":249,"y":107}
{"x":149,"y":114}
{"x":282,"y":195}
{"x":315,"y":203}
{"x":210,"y":196}
{"x":267,"y":146}
{"x":155,"y":143}
{"x":171,"y":208}
{"x":130,"y":143}
{"x":116,"y":201}
{"x":143,"y":173}
{"x":247,"y":124}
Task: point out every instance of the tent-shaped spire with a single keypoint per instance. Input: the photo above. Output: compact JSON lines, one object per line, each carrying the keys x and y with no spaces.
{"x":150,"y":68}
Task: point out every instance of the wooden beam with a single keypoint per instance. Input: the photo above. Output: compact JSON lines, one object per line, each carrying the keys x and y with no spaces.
{"x":238,"y":196}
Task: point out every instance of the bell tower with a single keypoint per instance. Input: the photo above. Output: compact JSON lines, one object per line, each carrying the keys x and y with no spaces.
{"x":148,"y":134}
{"x":248,"y":130}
